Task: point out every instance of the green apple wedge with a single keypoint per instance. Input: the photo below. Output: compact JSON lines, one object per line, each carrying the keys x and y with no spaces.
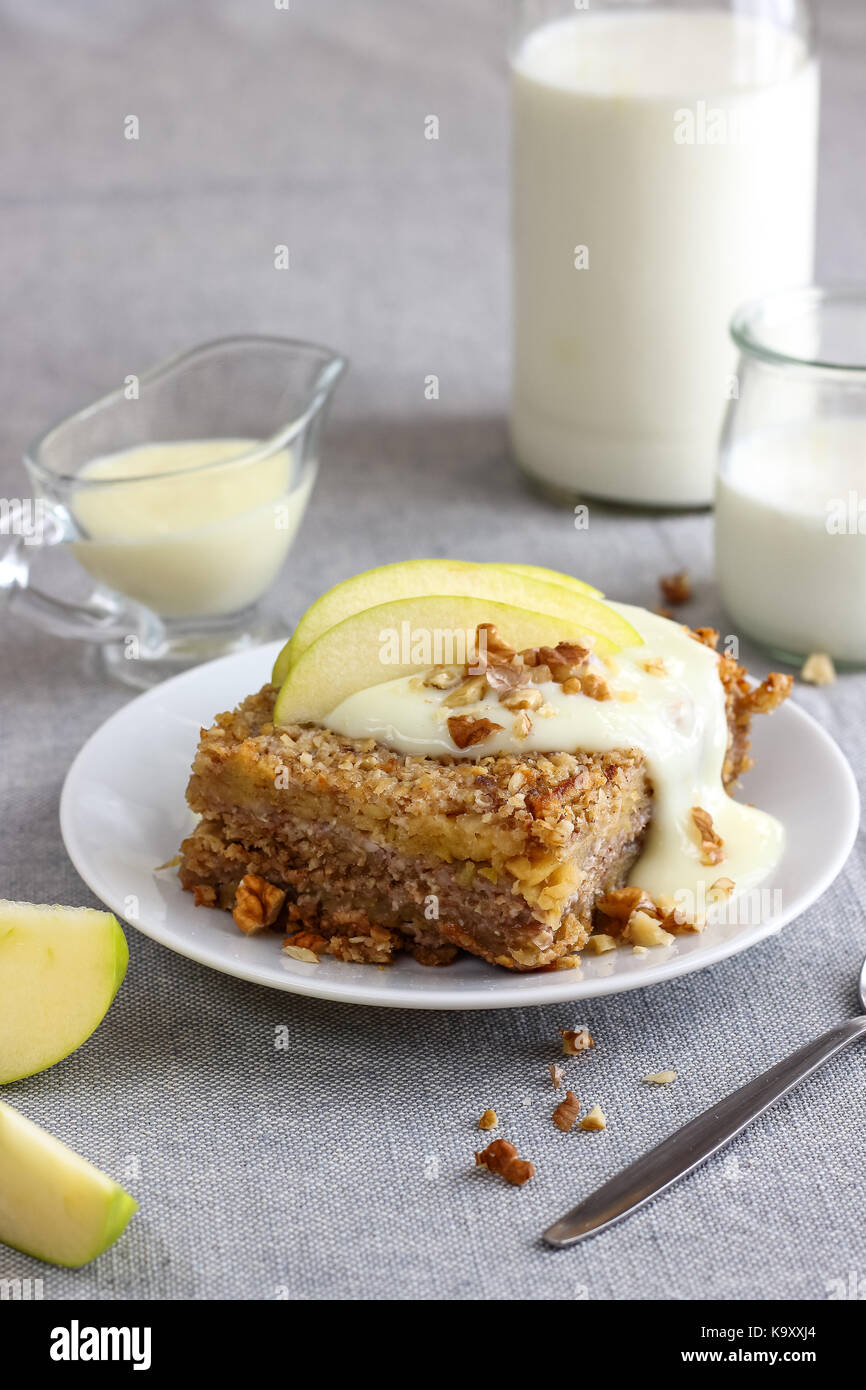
{"x":60,"y":968}
{"x":359,"y":652}
{"x":53,"y":1203}
{"x":524,"y":586}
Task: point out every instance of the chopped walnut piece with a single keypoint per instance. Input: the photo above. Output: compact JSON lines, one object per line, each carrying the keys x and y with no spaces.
{"x":501,"y":1157}
{"x":204,"y":895}
{"x":572,"y":686}
{"x":769,"y":694}
{"x":524,"y":697}
{"x":502,"y":678}
{"x":556,"y":1074}
{"x":599,"y":943}
{"x":818,"y":669}
{"x":539,"y":675}
{"x":575,"y":1041}
{"x":620,"y":903}
{"x":594,"y":1120}
{"x":594,"y":686}
{"x":566,"y":1112}
{"x":521,"y":725}
{"x":563,"y":660}
{"x":655,"y":666}
{"x":442,"y":678}
{"x":707,"y":636}
{"x":712,"y":844}
{"x":257,"y":904}
{"x":720,"y":890}
{"x":489,"y":1120}
{"x":676,"y":588}
{"x":489,"y":643}
{"x":660,"y":1078}
{"x":468,"y":693}
{"x":466,"y":731}
{"x":643,"y":930}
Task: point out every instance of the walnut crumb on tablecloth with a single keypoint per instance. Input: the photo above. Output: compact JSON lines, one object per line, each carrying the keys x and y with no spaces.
{"x":676,"y":588}
{"x":501,"y":1157}
{"x":818,"y":669}
{"x":575,"y":1041}
{"x":660,"y":1078}
{"x":594,"y":1120}
{"x":489,"y":1120}
{"x":566,"y":1112}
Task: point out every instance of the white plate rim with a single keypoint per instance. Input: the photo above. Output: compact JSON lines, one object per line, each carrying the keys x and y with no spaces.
{"x":560,"y":987}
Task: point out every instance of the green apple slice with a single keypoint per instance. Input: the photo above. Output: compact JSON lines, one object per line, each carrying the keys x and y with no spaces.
{"x":514,"y":585}
{"x":53,"y":1203}
{"x":60,"y":968}
{"x":566,"y":581}
{"x":359,"y":652}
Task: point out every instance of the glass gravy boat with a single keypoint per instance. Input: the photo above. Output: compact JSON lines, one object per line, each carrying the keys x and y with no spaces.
{"x":180,"y":494}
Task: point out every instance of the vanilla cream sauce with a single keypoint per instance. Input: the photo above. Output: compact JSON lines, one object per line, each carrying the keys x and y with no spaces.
{"x":677,"y":719}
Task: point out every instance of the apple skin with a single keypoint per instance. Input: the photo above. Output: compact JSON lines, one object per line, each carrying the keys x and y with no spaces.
{"x":54,"y":1204}
{"x":523,"y":586}
{"x":348,"y":657}
{"x":60,"y":969}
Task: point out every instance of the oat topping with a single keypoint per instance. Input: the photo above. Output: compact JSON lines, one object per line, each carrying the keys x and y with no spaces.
{"x":575,"y":1041}
{"x":676,"y":588}
{"x":566,"y":1112}
{"x":818,"y":669}
{"x":257,"y":904}
{"x":300,"y":953}
{"x":501,"y":1157}
{"x":594,"y":1120}
{"x":466,"y":731}
{"x":712,"y":844}
{"x":489,"y":1120}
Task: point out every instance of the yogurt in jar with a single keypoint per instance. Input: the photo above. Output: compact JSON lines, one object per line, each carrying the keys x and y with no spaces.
{"x":664,"y":168}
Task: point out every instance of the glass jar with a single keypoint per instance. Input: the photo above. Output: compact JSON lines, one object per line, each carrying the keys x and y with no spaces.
{"x":791,"y":494}
{"x":664,"y":171}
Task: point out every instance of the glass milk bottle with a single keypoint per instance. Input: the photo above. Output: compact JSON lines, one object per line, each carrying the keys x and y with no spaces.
{"x":664,"y":168}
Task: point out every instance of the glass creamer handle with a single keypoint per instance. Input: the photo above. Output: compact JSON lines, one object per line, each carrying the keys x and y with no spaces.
{"x":94,"y":621}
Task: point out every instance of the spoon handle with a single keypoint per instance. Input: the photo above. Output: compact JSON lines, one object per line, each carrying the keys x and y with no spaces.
{"x":696,"y":1141}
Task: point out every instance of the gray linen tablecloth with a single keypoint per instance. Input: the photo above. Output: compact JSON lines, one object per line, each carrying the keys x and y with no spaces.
{"x":341,"y":1168}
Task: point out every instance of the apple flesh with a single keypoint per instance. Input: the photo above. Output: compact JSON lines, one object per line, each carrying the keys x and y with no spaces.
{"x":60,"y":968}
{"x":356,"y":653}
{"x":53,"y":1203}
{"x":523,"y":586}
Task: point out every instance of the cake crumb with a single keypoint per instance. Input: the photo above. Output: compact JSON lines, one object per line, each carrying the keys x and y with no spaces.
{"x":501,"y":1157}
{"x":566,"y":1112}
{"x":489,"y":1120}
{"x":660,"y":1078}
{"x":575,"y":1041}
{"x":594,"y":1120}
{"x":818,"y":669}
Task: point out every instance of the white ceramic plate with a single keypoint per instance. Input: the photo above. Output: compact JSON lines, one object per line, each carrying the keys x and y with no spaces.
{"x":123,"y":812}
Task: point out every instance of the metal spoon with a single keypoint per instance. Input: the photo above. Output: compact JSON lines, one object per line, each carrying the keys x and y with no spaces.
{"x":701,"y":1138}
